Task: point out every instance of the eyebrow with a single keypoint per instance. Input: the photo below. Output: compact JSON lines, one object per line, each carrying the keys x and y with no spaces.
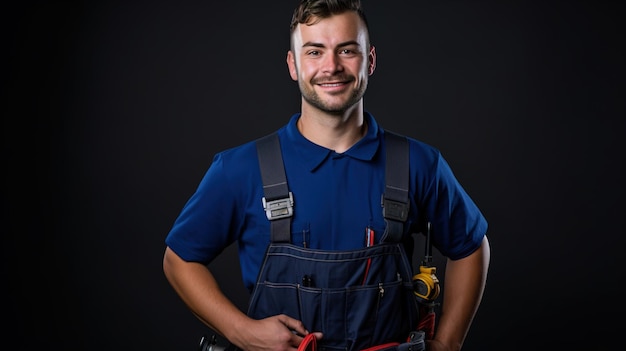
{"x":320,"y":45}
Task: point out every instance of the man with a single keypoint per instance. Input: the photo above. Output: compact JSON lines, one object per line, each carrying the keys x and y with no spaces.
{"x":335,"y":167}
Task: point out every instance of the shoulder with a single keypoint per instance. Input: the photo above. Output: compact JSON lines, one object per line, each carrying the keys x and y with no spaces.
{"x":239,"y":163}
{"x":233,"y":169}
{"x":240,"y":155}
{"x":419,"y":151}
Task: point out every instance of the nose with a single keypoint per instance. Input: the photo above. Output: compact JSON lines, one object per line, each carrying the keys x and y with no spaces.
{"x":332,"y":64}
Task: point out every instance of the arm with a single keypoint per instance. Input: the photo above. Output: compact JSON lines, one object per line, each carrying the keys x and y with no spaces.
{"x":198,"y":289}
{"x":464,"y":285}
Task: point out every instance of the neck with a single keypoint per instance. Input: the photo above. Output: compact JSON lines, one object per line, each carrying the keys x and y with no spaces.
{"x":335,"y":132}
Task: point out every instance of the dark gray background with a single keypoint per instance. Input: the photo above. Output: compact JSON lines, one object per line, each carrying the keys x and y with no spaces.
{"x":112,"y":111}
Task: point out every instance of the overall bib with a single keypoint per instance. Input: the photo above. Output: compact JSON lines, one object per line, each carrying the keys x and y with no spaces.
{"x":358,"y":298}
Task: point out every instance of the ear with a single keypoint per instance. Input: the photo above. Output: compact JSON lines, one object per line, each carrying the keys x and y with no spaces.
{"x":291,"y":63}
{"x":371,"y":60}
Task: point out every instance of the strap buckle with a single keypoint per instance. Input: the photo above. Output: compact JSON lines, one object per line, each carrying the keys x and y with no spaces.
{"x":395,"y":210}
{"x":279,"y":208}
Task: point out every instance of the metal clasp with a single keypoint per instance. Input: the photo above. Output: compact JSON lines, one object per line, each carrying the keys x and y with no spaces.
{"x":279,"y":208}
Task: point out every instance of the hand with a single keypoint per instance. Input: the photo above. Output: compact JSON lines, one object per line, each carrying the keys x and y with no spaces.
{"x":280,"y":333}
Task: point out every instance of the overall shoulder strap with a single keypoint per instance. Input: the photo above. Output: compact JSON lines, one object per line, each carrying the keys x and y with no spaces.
{"x":395,"y":199}
{"x":277,"y":199}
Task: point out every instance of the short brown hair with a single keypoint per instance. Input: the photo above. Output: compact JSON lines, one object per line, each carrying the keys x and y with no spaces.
{"x":310,"y":11}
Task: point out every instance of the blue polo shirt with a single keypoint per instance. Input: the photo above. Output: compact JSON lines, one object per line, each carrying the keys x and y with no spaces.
{"x":336,"y":197}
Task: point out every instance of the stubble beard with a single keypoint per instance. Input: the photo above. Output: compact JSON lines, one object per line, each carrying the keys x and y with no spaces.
{"x":313,"y":98}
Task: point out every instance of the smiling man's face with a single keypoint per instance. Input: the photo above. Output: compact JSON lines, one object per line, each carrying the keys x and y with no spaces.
{"x":331,"y":59}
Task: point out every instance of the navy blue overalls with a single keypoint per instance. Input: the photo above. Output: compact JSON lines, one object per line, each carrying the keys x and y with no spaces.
{"x":358,"y":298}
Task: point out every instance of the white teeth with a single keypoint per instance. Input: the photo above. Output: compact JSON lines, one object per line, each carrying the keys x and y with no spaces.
{"x":331,"y":85}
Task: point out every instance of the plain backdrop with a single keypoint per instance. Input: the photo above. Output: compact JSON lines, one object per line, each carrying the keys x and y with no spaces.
{"x":113,"y":110}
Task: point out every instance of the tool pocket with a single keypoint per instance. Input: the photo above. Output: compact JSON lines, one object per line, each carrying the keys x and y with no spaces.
{"x":328,"y":293}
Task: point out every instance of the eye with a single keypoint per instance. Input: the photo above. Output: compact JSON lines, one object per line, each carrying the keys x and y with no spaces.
{"x":348,"y":51}
{"x":313,"y":53}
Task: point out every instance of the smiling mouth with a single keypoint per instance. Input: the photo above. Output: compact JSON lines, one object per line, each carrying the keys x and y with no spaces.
{"x":331,"y":84}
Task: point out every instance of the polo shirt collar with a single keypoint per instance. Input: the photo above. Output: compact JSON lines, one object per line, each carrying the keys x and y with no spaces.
{"x":313,"y":155}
